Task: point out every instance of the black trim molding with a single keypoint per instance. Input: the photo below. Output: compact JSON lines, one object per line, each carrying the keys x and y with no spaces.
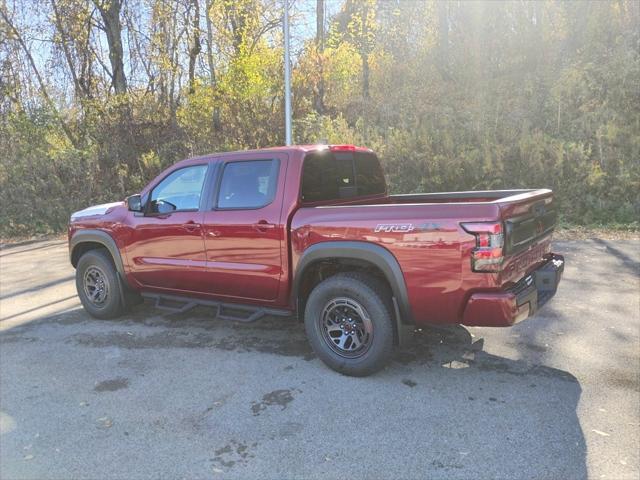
{"x":103,"y":238}
{"x":368,"y":252}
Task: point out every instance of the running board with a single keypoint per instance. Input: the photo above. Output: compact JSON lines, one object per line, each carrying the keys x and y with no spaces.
{"x":224,"y":311}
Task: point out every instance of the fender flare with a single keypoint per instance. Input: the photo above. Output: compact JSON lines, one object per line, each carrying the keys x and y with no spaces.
{"x":106,"y":240}
{"x":382,"y":258}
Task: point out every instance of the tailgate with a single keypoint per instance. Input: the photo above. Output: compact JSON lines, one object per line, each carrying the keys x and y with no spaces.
{"x":529,"y":220}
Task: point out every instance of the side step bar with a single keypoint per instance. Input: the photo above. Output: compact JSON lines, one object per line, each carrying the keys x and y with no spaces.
{"x":224,"y":311}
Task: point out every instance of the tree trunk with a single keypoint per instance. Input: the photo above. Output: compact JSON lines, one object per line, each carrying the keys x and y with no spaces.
{"x":195,"y":47}
{"x":318,"y":93}
{"x":320,"y":24}
{"x":65,"y":49}
{"x":110,"y":12}
{"x":364,"y":54}
{"x":365,"y":75}
{"x":212,"y":67}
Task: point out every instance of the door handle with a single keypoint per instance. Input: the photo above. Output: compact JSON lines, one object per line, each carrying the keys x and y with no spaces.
{"x":263,"y":226}
{"x":191,"y":226}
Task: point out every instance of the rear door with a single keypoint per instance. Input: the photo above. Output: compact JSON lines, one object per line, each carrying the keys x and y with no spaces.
{"x":166,"y":243}
{"x":243,"y":231}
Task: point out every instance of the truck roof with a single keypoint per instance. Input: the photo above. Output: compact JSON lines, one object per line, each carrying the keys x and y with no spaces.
{"x":306,"y":148}
{"x":320,"y":146}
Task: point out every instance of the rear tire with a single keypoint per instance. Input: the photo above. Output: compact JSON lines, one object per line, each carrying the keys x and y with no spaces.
{"x":98,"y":285}
{"x":349,"y":323}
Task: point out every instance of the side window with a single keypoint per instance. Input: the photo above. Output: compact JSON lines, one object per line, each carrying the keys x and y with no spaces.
{"x":180,"y":190}
{"x":248,"y":184}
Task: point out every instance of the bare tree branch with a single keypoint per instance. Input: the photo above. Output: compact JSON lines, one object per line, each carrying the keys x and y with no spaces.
{"x":43,"y":87}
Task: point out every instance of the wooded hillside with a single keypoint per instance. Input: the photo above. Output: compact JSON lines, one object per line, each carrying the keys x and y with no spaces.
{"x":96,"y":97}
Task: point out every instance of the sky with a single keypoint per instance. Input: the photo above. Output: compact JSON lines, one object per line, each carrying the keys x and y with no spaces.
{"x":33,"y":19}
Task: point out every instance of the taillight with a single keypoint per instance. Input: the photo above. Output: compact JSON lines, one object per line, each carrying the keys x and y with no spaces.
{"x":342,"y":148}
{"x":487,"y":256}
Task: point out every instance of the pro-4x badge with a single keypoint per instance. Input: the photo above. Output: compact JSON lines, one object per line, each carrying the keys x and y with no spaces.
{"x":394,"y":227}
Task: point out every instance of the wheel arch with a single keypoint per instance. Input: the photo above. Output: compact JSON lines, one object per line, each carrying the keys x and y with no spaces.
{"x":353,"y":255}
{"x":86,"y":240}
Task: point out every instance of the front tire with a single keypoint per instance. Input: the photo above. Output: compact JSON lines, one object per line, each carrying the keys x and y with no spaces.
{"x":349,"y":323}
{"x":98,"y":285}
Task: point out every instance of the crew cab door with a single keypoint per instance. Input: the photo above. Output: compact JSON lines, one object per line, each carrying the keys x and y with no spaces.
{"x":166,"y":245}
{"x":243,"y":232}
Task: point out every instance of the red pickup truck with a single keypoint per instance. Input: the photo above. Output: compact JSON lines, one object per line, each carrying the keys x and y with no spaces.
{"x":312,"y":232}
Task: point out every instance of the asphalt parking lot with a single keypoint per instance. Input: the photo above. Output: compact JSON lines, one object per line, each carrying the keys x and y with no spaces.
{"x":184,"y":396}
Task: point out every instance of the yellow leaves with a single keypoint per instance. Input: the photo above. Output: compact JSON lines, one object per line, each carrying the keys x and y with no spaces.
{"x":122,"y":170}
{"x":362,"y":26}
{"x":610,"y":131}
{"x":342,"y":70}
{"x":379,"y":60}
{"x":252,"y":75}
{"x":316,"y":128}
{"x":343,"y":62}
{"x":239,"y":25}
{"x":150,"y":161}
{"x":58,"y":143}
{"x":596,"y":177}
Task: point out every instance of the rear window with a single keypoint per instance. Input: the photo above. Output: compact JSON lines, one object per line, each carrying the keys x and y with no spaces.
{"x":369,"y":177}
{"x":340,"y":175}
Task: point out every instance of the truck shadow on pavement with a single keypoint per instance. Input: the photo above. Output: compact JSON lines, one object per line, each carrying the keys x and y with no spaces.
{"x":454,"y":347}
{"x":525,"y":409}
{"x":448,"y":347}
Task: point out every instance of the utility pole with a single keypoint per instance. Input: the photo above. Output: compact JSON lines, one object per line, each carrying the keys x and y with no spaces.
{"x":287,"y":77}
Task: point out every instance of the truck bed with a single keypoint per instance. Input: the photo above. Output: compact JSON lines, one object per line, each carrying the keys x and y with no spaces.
{"x":423,"y":231}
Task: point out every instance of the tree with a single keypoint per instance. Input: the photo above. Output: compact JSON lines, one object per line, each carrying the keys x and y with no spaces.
{"x":43,"y":88}
{"x":194,"y":47}
{"x":318,"y":94}
{"x":110,"y":13}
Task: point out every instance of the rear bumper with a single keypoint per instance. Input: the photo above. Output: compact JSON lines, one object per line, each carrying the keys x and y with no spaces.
{"x":503,"y":309}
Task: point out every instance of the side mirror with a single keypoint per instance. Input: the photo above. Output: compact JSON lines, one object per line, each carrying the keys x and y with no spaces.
{"x":134,"y":203}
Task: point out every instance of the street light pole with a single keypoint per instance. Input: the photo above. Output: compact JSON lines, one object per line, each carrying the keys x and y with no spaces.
{"x":287,"y":77}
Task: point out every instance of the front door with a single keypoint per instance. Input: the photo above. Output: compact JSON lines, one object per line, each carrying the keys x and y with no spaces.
{"x":243,"y":232}
{"x":167,"y":246}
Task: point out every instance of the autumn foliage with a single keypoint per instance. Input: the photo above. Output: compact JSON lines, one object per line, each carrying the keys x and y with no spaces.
{"x":97,"y":97}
